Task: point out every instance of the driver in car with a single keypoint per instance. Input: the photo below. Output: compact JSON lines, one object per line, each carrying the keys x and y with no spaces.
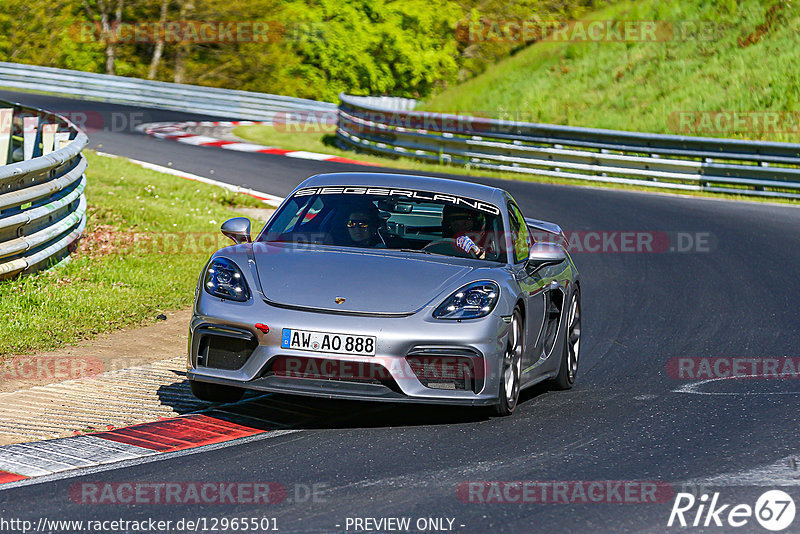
{"x":362,"y":226}
{"x":464,"y":225}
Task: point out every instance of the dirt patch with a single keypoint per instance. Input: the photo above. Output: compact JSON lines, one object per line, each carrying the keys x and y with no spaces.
{"x":774,"y":17}
{"x":105,"y":239}
{"x":108,"y":352}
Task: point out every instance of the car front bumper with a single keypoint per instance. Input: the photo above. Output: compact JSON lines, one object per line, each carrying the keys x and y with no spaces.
{"x":435,"y":348}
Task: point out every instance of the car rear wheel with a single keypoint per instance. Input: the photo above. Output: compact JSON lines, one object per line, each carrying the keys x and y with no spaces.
{"x":215,"y":392}
{"x":511,"y":377}
{"x":572,"y":345}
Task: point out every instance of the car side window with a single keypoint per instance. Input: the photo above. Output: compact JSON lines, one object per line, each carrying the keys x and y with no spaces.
{"x":519,"y":233}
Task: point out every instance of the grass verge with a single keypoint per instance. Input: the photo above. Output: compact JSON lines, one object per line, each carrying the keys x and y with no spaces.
{"x":147,"y":238}
{"x":721,"y":56}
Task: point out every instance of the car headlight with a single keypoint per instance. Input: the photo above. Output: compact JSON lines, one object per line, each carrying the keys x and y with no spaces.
{"x":225,"y":280}
{"x":472,"y":301}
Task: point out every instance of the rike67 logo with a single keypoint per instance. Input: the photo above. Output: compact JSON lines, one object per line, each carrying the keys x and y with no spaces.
{"x":774,"y":511}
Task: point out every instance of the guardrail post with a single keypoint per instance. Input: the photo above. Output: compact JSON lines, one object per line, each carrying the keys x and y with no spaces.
{"x":6,"y":119}
{"x":61,"y":139}
{"x":48,"y":137}
{"x":30,"y":125}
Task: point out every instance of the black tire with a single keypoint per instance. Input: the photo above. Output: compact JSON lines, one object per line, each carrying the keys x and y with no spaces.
{"x":215,"y":392}
{"x":570,"y":354}
{"x":511,"y":375}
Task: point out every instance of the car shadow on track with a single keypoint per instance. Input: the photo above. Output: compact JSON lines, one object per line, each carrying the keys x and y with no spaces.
{"x":272,"y":411}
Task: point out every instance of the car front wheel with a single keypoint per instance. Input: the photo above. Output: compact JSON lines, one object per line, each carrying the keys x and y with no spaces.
{"x":511,"y":377}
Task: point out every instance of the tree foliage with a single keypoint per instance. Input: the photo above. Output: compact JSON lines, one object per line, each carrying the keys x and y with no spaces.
{"x":315,"y":48}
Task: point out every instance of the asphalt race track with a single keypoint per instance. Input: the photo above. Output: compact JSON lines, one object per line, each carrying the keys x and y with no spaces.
{"x":735,"y":295}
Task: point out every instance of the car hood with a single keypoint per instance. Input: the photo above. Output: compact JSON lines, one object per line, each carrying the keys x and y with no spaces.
{"x":370,"y":282}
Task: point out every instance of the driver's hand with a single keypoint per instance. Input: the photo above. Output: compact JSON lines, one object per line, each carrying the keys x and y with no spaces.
{"x":468,"y":245}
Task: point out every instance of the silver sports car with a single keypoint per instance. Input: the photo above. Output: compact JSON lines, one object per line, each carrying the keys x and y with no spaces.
{"x":386,"y":287}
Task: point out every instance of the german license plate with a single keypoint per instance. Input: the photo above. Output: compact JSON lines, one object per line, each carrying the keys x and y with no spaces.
{"x":328,"y":342}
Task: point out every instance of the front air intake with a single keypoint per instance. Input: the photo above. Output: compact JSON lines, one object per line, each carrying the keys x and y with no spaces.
{"x":459,"y":369}
{"x":224,"y":348}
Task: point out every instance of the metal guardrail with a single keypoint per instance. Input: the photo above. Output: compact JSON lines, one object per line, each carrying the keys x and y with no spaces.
{"x":664,"y":161}
{"x":148,"y":93}
{"x":387,"y":102}
{"x":42,"y":182}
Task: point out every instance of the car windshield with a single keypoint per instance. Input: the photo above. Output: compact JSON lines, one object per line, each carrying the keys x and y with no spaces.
{"x":380,"y":218}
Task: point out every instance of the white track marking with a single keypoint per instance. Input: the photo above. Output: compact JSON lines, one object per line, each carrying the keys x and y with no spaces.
{"x":245,"y":147}
{"x":692,"y":388}
{"x":302,"y":154}
{"x":197,"y":140}
{"x":177,"y":131}
{"x":271,"y":199}
{"x":58,"y":455}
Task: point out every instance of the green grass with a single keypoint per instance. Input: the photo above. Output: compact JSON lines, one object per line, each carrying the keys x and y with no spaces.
{"x":318,"y":138}
{"x":640,"y":86}
{"x":113,"y":282}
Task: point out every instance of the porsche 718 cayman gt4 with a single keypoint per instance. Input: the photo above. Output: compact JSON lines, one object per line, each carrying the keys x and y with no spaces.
{"x":385,"y":287}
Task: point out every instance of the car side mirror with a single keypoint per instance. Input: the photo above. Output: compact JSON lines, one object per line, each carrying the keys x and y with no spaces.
{"x":237,"y":229}
{"x":542,"y":254}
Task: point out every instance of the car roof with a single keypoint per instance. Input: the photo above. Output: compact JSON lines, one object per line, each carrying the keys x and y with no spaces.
{"x":408,"y":181}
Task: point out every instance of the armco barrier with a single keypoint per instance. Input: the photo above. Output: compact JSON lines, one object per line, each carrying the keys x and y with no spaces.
{"x":152,"y":94}
{"x":388,"y":126}
{"x":665,"y":161}
{"x":42,"y":205}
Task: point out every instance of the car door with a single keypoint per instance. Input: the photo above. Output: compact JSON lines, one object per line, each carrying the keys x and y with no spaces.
{"x":532,"y":289}
{"x":554,"y":280}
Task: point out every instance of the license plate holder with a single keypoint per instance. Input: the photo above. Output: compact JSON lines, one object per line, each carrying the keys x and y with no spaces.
{"x":328,"y":342}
